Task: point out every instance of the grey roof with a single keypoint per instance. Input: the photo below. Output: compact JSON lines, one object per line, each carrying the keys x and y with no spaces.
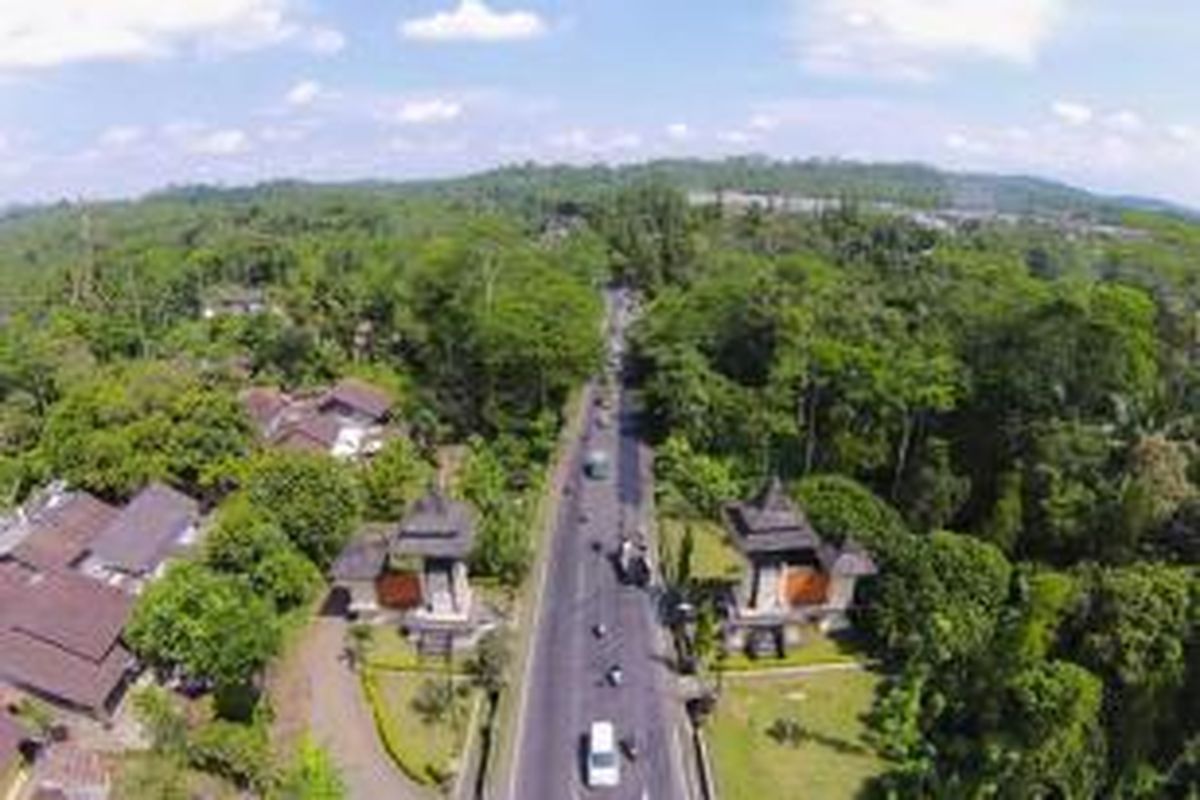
{"x":144,"y":533}
{"x":436,"y":527}
{"x":770,"y":523}
{"x":363,"y":558}
{"x":359,"y":396}
{"x":851,"y":559}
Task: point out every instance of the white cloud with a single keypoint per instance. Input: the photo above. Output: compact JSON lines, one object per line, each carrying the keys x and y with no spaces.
{"x":585,"y":142}
{"x":273,"y":134}
{"x":1181,"y":133}
{"x":303,"y":93}
{"x":763,"y":122}
{"x":679,"y":131}
{"x":1072,"y":113}
{"x":1125,"y":121}
{"x":428,"y":112}
{"x":121,"y":136}
{"x":624,"y":141}
{"x":436,"y":147}
{"x":1018,"y":133}
{"x":474,"y":21}
{"x":221,"y":142}
{"x":962,"y":143}
{"x":738,"y":138}
{"x":325,"y":41}
{"x":47,"y":33}
{"x":906,"y":39}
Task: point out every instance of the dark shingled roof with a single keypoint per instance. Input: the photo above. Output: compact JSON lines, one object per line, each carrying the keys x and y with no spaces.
{"x":770,"y":523}
{"x":363,"y":558}
{"x":359,"y":396}
{"x":62,"y":532}
{"x":60,"y":635}
{"x":142,"y":536}
{"x":436,"y":527}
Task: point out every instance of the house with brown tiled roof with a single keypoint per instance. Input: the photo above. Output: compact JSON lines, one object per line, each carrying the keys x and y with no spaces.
{"x":357,"y":401}
{"x":793,"y":578}
{"x":54,"y":530}
{"x":347,"y":421}
{"x":308,"y":433}
{"x":264,"y":405}
{"x":60,"y":637}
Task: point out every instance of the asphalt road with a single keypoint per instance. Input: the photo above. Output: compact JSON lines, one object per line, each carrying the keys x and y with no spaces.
{"x":568,"y":688}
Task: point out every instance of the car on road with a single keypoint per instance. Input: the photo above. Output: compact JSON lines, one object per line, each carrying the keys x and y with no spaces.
{"x":597,"y":465}
{"x":633,"y":563}
{"x":603,"y":763}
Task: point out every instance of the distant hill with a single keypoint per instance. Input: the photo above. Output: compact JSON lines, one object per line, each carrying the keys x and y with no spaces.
{"x":534,"y":187}
{"x":909,"y":184}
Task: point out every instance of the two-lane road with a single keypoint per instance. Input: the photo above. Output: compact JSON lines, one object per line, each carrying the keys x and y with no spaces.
{"x":567,"y":688}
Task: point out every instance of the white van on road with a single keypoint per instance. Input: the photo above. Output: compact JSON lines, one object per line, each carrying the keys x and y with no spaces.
{"x":603,"y":763}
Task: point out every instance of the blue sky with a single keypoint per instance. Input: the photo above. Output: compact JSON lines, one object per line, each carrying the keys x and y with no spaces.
{"x":106,"y":98}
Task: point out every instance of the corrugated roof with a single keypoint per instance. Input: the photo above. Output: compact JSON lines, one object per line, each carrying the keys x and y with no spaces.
{"x":141,"y":537}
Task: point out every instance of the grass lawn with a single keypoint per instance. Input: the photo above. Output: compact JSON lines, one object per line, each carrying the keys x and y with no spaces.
{"x":818,"y":648}
{"x":713,"y":559}
{"x":831,"y":762}
{"x":425,"y":751}
{"x":391,"y":650}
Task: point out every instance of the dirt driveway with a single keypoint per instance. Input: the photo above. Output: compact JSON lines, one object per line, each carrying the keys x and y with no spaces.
{"x":315,"y":689}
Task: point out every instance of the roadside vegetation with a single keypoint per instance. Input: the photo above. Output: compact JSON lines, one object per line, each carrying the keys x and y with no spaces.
{"x":1005,"y":418}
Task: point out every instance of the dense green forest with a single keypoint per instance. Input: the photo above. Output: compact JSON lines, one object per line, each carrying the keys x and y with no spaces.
{"x":1005,"y":414}
{"x":1006,"y":417}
